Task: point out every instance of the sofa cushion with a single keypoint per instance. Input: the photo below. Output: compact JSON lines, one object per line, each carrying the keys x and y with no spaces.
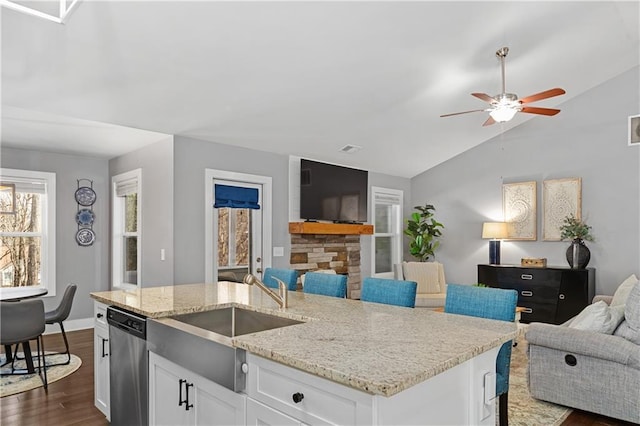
{"x":630,"y":327}
{"x":428,"y":275}
{"x":599,"y":317}
{"x":622,"y":293}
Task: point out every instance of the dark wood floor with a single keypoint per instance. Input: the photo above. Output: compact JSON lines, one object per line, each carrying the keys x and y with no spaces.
{"x":70,"y":401}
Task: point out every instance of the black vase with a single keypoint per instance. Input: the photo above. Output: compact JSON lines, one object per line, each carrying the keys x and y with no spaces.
{"x":578,"y":254}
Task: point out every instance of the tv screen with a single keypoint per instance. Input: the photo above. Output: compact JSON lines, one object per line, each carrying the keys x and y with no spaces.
{"x":333,"y":193}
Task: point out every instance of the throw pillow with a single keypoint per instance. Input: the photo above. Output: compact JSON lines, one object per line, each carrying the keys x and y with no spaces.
{"x":599,"y":317}
{"x":630,"y":328}
{"x":622,"y":293}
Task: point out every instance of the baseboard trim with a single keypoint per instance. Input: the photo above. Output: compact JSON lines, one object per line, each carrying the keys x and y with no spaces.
{"x":70,"y":325}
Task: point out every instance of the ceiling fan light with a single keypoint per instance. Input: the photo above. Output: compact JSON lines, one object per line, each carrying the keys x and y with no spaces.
{"x":503,"y":113}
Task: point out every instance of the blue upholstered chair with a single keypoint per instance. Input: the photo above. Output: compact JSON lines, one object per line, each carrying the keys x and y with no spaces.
{"x":492,"y":303}
{"x":288,"y":276}
{"x":325,"y":284}
{"x":390,"y":292}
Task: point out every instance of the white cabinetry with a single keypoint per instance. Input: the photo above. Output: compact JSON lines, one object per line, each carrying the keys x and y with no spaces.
{"x":282,"y":395}
{"x":178,"y":396}
{"x":101,"y":358}
{"x":260,"y":415}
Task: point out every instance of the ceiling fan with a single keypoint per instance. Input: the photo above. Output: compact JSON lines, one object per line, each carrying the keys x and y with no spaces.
{"x":505,"y":105}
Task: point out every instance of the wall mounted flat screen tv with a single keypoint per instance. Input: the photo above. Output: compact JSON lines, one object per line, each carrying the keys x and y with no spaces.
{"x":333,"y":193}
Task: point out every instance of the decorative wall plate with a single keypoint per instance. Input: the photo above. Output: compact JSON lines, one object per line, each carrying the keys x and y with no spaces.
{"x":85,"y":217}
{"x":85,"y":237}
{"x":85,"y":196}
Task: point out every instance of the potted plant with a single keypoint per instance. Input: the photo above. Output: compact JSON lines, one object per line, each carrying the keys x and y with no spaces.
{"x":423,"y":230}
{"x":576,"y":230}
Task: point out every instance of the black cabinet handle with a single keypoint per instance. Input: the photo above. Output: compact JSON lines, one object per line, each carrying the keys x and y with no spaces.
{"x":103,"y":352}
{"x":187,"y":398}
{"x":99,"y":315}
{"x":297,"y":397}
{"x":180,"y":400}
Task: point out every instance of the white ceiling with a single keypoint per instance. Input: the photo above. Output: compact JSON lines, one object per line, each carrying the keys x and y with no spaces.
{"x":300,"y":78}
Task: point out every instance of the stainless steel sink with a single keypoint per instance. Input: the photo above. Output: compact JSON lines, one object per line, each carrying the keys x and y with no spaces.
{"x":232,"y":322}
{"x":202,"y":341}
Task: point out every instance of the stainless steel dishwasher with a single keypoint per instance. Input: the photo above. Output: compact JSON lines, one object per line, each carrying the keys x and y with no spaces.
{"x":128,"y":367}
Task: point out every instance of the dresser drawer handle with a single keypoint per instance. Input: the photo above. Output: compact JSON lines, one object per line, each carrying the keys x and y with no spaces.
{"x":561,"y":296}
{"x":526,"y":293}
{"x":297,"y":397}
{"x":528,"y":311}
{"x":526,"y":276}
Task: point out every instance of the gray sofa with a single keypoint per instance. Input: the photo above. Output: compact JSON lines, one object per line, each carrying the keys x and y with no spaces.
{"x":581,"y":369}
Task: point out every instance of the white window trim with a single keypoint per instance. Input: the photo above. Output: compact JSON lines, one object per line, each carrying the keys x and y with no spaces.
{"x":396,"y":230}
{"x":48,"y":247}
{"x":211,"y":248}
{"x":117,"y":224}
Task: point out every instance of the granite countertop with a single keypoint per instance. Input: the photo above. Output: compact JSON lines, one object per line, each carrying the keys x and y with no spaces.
{"x":376,"y":348}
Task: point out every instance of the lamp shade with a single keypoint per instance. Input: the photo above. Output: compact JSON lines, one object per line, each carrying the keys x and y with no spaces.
{"x":496,"y":230}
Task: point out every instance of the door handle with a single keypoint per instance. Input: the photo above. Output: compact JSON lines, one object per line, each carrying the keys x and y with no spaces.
{"x":180,"y":400}
{"x":187,"y":398}
{"x":103,"y":352}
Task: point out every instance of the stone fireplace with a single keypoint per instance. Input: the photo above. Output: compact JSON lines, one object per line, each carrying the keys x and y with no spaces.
{"x":316,"y":246}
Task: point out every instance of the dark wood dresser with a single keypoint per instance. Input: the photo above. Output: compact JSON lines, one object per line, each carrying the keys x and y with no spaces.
{"x":552,"y":295}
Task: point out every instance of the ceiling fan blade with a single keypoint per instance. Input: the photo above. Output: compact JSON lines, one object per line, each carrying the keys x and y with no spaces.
{"x":463,"y":112}
{"x":489,"y":121}
{"x":543,"y":95}
{"x":542,"y":111}
{"x":484,"y":97}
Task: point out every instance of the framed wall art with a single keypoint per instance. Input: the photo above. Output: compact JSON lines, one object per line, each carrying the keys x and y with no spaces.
{"x":560,"y":198}
{"x":519,"y":208}
{"x":634,"y":130}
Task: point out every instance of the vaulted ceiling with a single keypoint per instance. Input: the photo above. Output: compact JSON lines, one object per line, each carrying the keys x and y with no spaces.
{"x":301,"y":78}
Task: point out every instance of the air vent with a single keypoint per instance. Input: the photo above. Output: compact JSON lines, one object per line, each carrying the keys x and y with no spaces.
{"x":350,"y":149}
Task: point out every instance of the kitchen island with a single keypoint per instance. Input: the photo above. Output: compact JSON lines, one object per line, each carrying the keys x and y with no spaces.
{"x":412,"y":363}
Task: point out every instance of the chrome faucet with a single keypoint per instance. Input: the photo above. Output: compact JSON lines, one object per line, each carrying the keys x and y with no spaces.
{"x":282,"y":298}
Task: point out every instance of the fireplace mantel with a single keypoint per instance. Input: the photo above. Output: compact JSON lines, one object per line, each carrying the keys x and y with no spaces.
{"x":329,"y":228}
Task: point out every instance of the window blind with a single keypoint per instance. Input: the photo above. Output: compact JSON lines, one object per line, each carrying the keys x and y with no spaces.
{"x":236,"y":197}
{"x":126,"y":187}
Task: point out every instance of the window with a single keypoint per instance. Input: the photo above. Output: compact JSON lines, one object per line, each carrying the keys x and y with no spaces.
{"x":387,"y":238}
{"x":233,"y":238}
{"x":126,"y":229}
{"x":28,"y":229}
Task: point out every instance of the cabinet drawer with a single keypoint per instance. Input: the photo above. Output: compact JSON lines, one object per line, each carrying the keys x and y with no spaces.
{"x":320,"y":401}
{"x":538,"y":312}
{"x":100,"y":314}
{"x":535,"y":293}
{"x":520,"y":276}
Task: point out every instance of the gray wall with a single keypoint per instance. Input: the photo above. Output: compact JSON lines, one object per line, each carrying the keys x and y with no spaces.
{"x":588,"y":139}
{"x":192,"y":157}
{"x":156,"y":162}
{"x":85,"y":266}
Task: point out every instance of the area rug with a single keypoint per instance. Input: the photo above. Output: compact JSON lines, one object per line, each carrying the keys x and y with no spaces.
{"x":11,"y":385}
{"x":523,"y":409}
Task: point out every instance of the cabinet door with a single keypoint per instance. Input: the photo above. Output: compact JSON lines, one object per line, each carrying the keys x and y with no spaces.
{"x":216,"y":405}
{"x":165,"y":391}
{"x":101,"y":369}
{"x":260,"y":415}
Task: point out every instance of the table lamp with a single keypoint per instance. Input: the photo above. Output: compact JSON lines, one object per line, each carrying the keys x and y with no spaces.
{"x":496,"y":231}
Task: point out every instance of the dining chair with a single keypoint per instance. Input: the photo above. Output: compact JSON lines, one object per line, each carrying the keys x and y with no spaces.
{"x":20,"y":322}
{"x":60,"y":314}
{"x":288,"y":276}
{"x":492,"y":303}
{"x":325,"y":284}
{"x":390,"y":292}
